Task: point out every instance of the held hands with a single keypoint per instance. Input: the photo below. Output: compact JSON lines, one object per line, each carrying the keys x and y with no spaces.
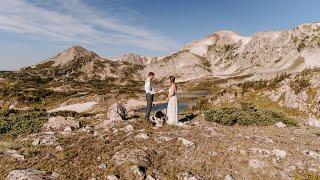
{"x":161,"y":91}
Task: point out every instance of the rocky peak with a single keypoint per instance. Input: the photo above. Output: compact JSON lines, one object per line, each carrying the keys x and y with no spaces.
{"x":71,"y":54}
{"x":200,"y":47}
{"x":136,"y":59}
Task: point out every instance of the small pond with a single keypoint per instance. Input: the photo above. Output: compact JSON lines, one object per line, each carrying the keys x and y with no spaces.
{"x":188,"y":100}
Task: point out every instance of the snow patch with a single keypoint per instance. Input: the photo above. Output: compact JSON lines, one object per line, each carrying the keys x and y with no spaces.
{"x":79,"y":107}
{"x":312,"y":60}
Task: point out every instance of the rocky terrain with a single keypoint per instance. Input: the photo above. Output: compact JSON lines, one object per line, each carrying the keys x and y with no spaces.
{"x":261,"y":56}
{"x":251,"y":111}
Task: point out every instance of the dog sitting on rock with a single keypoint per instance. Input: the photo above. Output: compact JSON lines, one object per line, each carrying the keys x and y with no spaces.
{"x":159,"y":119}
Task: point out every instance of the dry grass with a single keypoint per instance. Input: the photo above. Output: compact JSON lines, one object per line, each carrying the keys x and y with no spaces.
{"x":83,"y":152}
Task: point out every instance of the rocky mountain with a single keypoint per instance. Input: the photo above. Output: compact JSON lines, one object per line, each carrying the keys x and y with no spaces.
{"x":223,"y":54}
{"x":80,"y":63}
{"x":136,"y":59}
{"x":227,"y":54}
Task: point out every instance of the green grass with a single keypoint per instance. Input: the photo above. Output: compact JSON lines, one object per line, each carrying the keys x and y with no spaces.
{"x":247,"y":115}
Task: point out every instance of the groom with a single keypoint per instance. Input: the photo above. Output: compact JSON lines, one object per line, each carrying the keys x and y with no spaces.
{"x":149,"y":94}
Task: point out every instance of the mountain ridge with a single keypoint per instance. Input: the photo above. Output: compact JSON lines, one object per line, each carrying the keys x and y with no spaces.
{"x":223,"y":54}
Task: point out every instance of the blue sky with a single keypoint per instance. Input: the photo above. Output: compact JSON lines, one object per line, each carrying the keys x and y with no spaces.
{"x":34,"y":30}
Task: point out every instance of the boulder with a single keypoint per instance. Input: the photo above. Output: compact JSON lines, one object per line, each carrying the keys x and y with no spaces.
{"x":14,"y":154}
{"x":32,"y":174}
{"x":188,"y":176}
{"x":142,"y":136}
{"x":262,"y":152}
{"x":134,"y":156}
{"x":59,"y":148}
{"x":116,"y":112}
{"x":311,"y":154}
{"x":187,"y":143}
{"x":256,"y":163}
{"x":128,"y":129}
{"x":280,"y":125}
{"x":46,"y":140}
{"x":112,"y":177}
{"x":138,"y":172}
{"x":228,"y":177}
{"x":102,"y":166}
{"x":312,"y":121}
{"x":61,"y":124}
{"x":131,"y":163}
{"x":280,"y":154}
{"x":162,"y":139}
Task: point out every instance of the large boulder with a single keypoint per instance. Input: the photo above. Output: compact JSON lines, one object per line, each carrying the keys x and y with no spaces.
{"x":46,"y":139}
{"x":32,"y":174}
{"x":134,"y":156}
{"x":131,"y":163}
{"x":61,"y":123}
{"x":116,"y":113}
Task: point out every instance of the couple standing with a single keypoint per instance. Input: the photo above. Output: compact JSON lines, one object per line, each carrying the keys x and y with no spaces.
{"x":172,"y":109}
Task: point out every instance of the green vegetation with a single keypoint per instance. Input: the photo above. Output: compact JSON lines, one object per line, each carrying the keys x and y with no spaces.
{"x":256,"y":85}
{"x":247,"y":115}
{"x":15,"y":122}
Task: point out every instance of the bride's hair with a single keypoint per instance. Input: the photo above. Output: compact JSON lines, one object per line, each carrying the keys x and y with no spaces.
{"x":172,"y":79}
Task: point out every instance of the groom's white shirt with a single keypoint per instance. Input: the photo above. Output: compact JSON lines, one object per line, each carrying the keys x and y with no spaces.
{"x":148,"y":87}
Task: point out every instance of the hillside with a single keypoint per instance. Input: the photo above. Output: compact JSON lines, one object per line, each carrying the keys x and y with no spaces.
{"x":82,"y":64}
{"x":227,"y":54}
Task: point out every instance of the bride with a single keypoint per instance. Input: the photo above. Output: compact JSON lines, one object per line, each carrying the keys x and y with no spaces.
{"x":172,"y":109}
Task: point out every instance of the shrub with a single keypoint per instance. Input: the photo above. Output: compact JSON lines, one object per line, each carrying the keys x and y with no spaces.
{"x":73,"y":114}
{"x":247,"y":115}
{"x":299,"y":84}
{"x":16,"y":122}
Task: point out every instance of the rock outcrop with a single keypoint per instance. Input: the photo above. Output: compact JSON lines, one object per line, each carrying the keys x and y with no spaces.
{"x":46,"y":139}
{"x":132,"y":162}
{"x":61,"y":124}
{"x":116,"y":113}
{"x":32,"y":174}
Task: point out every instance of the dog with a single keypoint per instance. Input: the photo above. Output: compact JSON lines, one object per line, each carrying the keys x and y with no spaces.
{"x":159,"y":118}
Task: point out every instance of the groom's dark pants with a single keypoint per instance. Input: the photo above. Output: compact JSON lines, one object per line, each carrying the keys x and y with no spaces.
{"x":149,"y":105}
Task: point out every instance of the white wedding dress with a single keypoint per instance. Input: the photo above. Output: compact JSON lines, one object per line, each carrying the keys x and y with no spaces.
{"x":172,"y":109}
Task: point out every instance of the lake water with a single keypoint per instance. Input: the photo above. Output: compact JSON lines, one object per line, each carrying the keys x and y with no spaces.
{"x":162,"y":106}
{"x":188,"y":100}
